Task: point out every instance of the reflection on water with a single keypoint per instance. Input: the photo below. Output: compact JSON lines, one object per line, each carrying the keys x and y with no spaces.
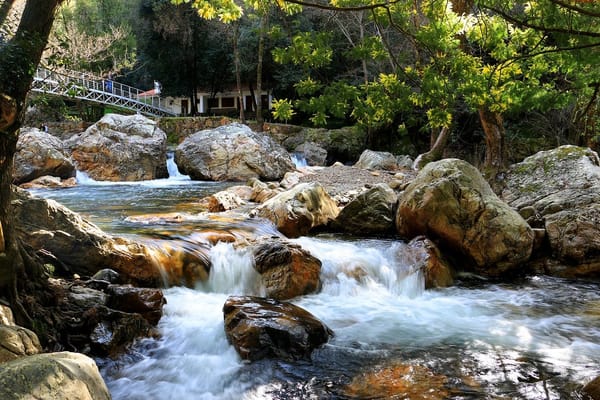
{"x":534,"y":339}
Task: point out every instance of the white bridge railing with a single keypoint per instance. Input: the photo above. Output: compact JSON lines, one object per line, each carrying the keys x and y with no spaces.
{"x":84,"y":86}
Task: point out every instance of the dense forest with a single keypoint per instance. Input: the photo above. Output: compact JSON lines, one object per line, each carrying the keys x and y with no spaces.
{"x":493,"y":80}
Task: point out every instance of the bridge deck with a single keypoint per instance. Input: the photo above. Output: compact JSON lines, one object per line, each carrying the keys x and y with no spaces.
{"x":88,"y":87}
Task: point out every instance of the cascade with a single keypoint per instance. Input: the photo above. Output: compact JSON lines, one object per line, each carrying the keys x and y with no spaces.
{"x":530,"y":339}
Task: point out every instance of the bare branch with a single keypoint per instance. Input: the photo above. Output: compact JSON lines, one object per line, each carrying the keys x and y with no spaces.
{"x":334,"y":8}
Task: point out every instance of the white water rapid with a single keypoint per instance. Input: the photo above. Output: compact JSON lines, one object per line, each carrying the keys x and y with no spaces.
{"x":538,"y":338}
{"x":376,"y":305}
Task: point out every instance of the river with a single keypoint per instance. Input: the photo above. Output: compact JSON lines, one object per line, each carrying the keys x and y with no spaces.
{"x":538,"y":338}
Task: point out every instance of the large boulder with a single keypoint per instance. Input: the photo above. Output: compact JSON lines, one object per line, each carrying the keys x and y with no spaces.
{"x":296,"y":211}
{"x":121,"y":148}
{"x":56,"y":376}
{"x":371,"y":212}
{"x":343,"y":144}
{"x":40,"y":154}
{"x":232,"y":153}
{"x":16,"y":342}
{"x":314,"y":154}
{"x":259,"y":328}
{"x":559,"y":191}
{"x":382,"y":160}
{"x":451,"y":203}
{"x":286,"y":269}
{"x":76,"y":246}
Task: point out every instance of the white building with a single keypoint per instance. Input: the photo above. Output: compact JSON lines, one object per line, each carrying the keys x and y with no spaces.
{"x":221,"y":103}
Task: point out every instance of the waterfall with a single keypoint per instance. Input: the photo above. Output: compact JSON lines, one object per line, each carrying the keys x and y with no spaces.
{"x":173,"y":169}
{"x":299,"y":160}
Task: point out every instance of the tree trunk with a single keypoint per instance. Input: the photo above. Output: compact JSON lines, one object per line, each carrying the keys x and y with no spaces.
{"x":238,"y":70}
{"x":493,"y":127}
{"x":437,"y":149}
{"x":259,"y":66}
{"x":18,"y":61}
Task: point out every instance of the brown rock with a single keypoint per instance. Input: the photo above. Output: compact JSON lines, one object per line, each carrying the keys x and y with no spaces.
{"x":259,"y":328}
{"x":401,"y":381}
{"x":286,"y":269}
{"x":300,"y":209}
{"x":146,"y":302}
{"x":592,"y":390}
{"x":436,"y":269}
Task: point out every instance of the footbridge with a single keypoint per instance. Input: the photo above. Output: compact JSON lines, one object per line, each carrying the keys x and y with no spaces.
{"x":85,"y":86}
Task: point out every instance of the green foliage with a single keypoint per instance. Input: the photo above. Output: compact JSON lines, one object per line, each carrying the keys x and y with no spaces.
{"x":283,"y":110}
{"x":308,"y":49}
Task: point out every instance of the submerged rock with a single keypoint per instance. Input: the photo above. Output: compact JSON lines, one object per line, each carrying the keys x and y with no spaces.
{"x":121,"y":148}
{"x":559,"y":191}
{"x":63,"y":375}
{"x":300,"y":209}
{"x":260,"y":328}
{"x":286,"y":269}
{"x":232,"y":153}
{"x":450,"y":202}
{"x":40,"y":154}
{"x":401,"y":381}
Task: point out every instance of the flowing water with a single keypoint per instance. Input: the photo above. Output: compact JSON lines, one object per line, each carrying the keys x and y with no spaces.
{"x":534,"y":339}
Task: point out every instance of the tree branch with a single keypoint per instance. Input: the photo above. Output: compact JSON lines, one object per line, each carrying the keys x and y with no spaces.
{"x":542,"y":28}
{"x":575,"y":8}
{"x":334,"y":8}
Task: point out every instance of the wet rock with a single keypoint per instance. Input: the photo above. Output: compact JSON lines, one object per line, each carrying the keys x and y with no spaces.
{"x":221,"y":201}
{"x":436,"y":269}
{"x":144,"y":301}
{"x":39,"y":154}
{"x":121,"y":148}
{"x":592,"y":390}
{"x":103,"y":322}
{"x":17,"y":342}
{"x":402,"y":381}
{"x":286,"y":269}
{"x":63,"y":375}
{"x":232,"y":153}
{"x":76,"y":246}
{"x":451,"y":203}
{"x":314,"y":154}
{"x":370,"y":212}
{"x":108,"y":275}
{"x":559,"y":191}
{"x":260,"y":328}
{"x":295,"y":212}
{"x":377,"y":160}
{"x":113,"y":331}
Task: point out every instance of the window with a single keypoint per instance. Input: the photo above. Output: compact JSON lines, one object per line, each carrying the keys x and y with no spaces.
{"x":227,"y":102}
